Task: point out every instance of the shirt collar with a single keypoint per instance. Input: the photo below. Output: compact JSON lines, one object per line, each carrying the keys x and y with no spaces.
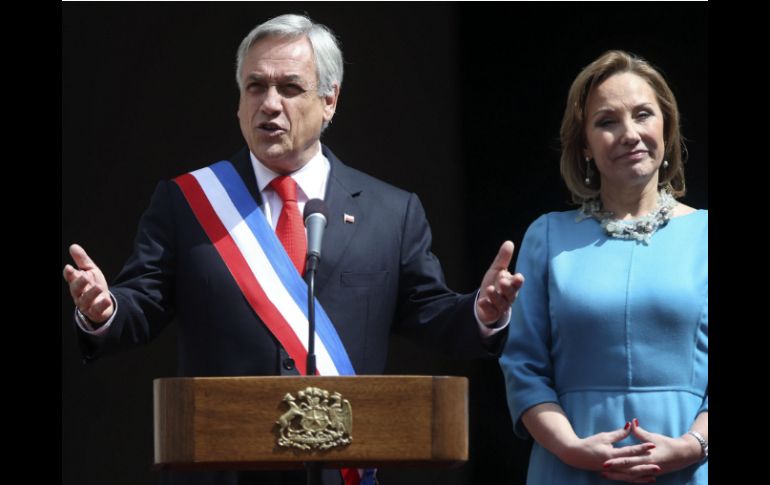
{"x":311,"y":178}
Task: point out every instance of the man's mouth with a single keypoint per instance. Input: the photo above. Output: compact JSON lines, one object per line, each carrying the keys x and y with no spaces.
{"x":271,"y":127}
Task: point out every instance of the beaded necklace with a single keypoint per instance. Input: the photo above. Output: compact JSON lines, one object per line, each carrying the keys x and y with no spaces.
{"x":640,"y":229}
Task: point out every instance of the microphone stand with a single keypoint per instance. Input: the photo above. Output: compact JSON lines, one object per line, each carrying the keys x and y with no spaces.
{"x":313,"y":468}
{"x":310,"y":269}
{"x":315,"y":219}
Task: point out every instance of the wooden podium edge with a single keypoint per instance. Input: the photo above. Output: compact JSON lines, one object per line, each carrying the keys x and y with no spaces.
{"x":447,"y":433}
{"x":448,"y":428}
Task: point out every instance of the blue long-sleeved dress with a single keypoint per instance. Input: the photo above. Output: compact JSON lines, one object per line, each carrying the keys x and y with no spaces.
{"x":611,"y":330}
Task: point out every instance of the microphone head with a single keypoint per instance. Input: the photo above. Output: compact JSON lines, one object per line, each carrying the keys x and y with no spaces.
{"x":315,"y":206}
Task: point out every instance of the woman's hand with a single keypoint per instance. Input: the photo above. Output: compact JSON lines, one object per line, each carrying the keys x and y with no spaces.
{"x":667,"y":455}
{"x":592,"y":452}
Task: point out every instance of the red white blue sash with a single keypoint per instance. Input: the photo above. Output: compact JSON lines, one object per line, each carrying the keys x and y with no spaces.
{"x":260,"y":266}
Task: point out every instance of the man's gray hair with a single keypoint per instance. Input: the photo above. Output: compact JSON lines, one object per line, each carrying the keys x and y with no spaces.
{"x":326,"y":50}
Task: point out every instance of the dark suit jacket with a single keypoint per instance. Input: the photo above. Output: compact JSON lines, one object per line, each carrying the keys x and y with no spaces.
{"x":375,"y":275}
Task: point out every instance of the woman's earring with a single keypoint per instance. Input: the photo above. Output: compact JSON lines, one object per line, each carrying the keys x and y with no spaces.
{"x":665,"y":164}
{"x":589,"y":172}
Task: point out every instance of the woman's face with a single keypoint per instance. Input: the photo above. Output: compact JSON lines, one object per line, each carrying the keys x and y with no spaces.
{"x":624,"y":131}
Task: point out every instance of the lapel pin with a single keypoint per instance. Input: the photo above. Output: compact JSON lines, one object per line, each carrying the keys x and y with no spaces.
{"x":348,"y":219}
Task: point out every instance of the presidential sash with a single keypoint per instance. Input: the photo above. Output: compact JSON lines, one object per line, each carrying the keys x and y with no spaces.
{"x":260,"y":266}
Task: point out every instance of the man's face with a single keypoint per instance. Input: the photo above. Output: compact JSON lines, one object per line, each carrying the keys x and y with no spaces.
{"x":280,"y":111}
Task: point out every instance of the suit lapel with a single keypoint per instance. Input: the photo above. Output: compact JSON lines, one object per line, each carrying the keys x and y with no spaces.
{"x":341,"y":199}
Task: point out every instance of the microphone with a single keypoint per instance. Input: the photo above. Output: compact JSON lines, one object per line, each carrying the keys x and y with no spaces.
{"x":314,"y":216}
{"x":315,"y":219}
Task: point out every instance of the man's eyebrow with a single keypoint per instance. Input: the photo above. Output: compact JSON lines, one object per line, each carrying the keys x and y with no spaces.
{"x":292,"y":77}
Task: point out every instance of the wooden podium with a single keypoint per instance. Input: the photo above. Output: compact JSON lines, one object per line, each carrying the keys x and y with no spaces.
{"x":232,"y":423}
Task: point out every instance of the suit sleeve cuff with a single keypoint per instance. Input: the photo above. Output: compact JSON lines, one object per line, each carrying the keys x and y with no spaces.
{"x":86,"y":326}
{"x":488,"y":331}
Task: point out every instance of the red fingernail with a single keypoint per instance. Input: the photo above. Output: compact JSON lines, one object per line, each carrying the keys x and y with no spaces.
{"x":606,"y":465}
{"x":628,"y":424}
{"x":636,"y":422}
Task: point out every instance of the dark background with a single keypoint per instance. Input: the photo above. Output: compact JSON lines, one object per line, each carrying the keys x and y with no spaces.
{"x":460,"y":103}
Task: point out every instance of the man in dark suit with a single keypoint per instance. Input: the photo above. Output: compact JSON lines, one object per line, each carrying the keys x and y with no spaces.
{"x":377,"y":270}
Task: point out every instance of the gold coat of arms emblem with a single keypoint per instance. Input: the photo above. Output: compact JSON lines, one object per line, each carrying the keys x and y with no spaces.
{"x":316,"y":420}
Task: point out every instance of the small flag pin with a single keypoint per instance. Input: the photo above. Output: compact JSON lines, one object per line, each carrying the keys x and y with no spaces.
{"x":348,"y":219}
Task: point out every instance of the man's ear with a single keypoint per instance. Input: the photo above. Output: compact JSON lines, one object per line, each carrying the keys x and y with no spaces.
{"x":330,"y":103}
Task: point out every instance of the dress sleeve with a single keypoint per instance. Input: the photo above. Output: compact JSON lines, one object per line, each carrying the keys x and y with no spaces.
{"x":526,"y":360}
{"x":705,"y":406}
{"x":703,"y":343}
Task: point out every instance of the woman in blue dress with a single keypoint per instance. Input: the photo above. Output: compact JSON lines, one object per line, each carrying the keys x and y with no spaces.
{"x":606,"y":362}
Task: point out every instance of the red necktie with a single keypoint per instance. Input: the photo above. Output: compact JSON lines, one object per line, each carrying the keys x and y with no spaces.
{"x":290,"y":229}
